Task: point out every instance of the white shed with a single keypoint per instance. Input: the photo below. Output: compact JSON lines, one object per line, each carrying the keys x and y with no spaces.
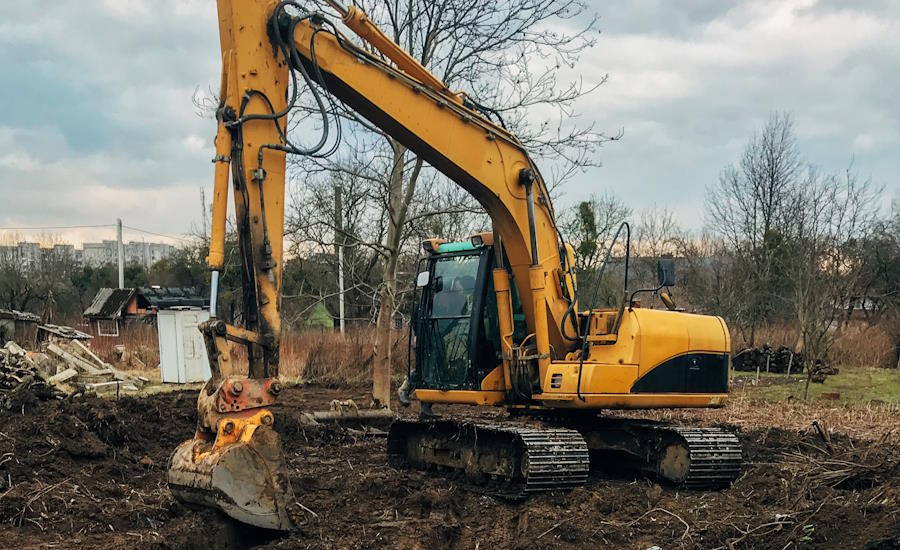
{"x":182,"y":353}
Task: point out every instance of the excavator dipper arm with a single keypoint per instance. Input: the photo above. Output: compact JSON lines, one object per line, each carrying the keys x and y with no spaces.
{"x":234,"y":462}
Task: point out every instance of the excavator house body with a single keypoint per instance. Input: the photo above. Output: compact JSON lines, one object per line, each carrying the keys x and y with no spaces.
{"x":653,"y":359}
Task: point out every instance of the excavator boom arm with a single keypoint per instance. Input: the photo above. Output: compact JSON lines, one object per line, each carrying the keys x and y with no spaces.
{"x":484,"y":159}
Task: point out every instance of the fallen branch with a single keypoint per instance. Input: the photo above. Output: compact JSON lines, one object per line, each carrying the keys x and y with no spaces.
{"x":687,"y":527}
{"x":548,"y":531}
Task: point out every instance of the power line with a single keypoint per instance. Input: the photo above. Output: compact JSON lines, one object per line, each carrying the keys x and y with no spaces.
{"x":93,"y":226}
{"x":154,"y":233}
{"x":33,"y":228}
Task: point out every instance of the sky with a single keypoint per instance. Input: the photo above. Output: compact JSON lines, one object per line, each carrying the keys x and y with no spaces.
{"x":98,"y":123}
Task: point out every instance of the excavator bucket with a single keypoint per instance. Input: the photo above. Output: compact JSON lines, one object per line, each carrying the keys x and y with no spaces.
{"x":241,"y":472}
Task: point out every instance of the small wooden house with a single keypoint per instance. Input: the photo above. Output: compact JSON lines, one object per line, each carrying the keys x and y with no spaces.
{"x":111,"y":307}
{"x":19,"y":326}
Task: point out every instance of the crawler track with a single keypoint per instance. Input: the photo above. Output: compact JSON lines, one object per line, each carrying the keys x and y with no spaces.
{"x":519,"y":457}
{"x":715,"y":457}
{"x":510,"y":461}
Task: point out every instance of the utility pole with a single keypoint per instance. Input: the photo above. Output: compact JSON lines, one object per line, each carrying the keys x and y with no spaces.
{"x":204,"y":212}
{"x":341,"y":284}
{"x":339,"y":244}
{"x":120,"y":248}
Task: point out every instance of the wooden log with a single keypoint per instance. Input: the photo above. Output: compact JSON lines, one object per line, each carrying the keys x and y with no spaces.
{"x":111,"y":386}
{"x":14,"y":348}
{"x":96,"y":378}
{"x":87,"y":351}
{"x":118,"y":374}
{"x":73,"y":361}
{"x":67,"y":374}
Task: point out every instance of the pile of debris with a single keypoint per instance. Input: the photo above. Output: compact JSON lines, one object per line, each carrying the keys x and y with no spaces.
{"x":765,"y":359}
{"x":782,"y":360}
{"x":21,"y":378}
{"x":62,"y":369}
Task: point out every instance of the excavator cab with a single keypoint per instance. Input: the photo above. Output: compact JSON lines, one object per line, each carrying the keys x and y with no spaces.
{"x":455,"y":330}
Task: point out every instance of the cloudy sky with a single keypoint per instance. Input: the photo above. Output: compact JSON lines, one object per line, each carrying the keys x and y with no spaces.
{"x":97,"y":120}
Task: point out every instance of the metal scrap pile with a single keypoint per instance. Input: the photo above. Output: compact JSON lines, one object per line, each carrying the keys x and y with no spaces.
{"x":62,"y":369}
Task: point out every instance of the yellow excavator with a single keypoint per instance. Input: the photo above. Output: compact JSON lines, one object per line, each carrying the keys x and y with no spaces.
{"x":497,"y":321}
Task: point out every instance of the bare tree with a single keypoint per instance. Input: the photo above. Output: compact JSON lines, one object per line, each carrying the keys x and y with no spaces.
{"x":656,"y":232}
{"x":589,"y":228}
{"x":508,"y":55}
{"x":824,"y":265}
{"x":708,"y":275}
{"x":751,"y":209}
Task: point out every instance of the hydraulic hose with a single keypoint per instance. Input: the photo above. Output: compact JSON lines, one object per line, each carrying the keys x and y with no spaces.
{"x":585,"y":344}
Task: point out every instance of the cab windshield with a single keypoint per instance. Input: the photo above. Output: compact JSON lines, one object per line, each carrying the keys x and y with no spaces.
{"x":445,"y":326}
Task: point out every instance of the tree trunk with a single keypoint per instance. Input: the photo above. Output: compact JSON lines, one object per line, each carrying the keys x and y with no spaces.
{"x":806,"y":387}
{"x":398,"y":202}
{"x":381,"y":377}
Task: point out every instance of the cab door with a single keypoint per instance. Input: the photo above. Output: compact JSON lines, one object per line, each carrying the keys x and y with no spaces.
{"x":446,"y":316}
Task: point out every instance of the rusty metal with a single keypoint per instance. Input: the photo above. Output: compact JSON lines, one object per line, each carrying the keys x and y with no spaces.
{"x":240,"y":471}
{"x":346,"y":411}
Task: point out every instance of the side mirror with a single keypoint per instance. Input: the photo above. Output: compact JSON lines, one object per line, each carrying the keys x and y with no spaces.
{"x":665,"y":271}
{"x":422,"y":279}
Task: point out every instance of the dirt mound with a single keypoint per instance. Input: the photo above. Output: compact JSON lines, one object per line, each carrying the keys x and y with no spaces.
{"x":91,"y":473}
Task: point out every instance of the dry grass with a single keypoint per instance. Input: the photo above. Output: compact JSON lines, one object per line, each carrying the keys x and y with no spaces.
{"x":326,"y":358}
{"x":864,"y":345}
{"x":867,"y":422}
{"x":337,"y":360}
{"x":859,"y":344}
{"x":140,"y":340}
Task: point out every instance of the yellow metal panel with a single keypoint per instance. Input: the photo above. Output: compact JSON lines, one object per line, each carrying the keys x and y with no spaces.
{"x":494,"y":381}
{"x":666,"y":331}
{"x":635,"y":400}
{"x":708,"y":333}
{"x":606,"y":378}
{"x":627,"y":348}
{"x":463,"y":397}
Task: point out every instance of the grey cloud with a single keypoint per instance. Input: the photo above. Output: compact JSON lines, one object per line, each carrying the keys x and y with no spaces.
{"x":690,"y":85}
{"x":97,"y":120}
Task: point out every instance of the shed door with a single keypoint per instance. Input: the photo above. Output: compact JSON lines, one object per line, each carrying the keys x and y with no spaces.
{"x":168,"y":352}
{"x":195,"y":362}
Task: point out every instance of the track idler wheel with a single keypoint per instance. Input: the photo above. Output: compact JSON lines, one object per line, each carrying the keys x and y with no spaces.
{"x":241,"y":472}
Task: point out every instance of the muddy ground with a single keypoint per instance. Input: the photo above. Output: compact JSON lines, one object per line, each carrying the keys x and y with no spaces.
{"x":91,"y":474}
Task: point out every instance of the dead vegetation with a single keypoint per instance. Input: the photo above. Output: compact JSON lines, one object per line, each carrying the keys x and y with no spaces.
{"x":91,"y":474}
{"x":859,"y":344}
{"x":335,"y":360}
